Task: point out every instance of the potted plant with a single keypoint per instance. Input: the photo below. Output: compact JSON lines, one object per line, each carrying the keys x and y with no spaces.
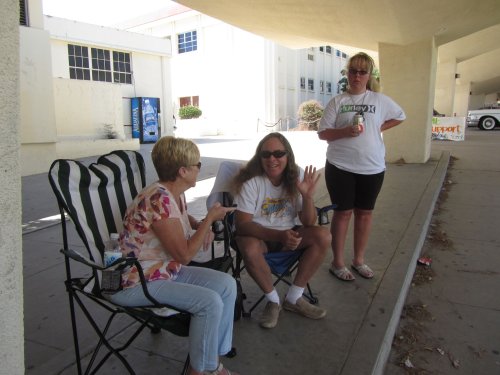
{"x":189,"y":112}
{"x":309,"y":114}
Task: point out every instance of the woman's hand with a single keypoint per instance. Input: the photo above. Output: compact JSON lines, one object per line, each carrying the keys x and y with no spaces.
{"x":290,"y":239}
{"x":308,"y":184}
{"x":355,"y":130}
{"x":217,"y":212}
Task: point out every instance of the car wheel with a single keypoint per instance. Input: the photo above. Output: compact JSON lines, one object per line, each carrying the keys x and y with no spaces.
{"x":487,"y":123}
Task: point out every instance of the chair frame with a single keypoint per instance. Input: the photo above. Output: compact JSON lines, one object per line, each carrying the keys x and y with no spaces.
{"x":80,"y":287}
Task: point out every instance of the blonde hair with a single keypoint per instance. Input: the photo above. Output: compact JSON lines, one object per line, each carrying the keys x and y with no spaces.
{"x":365,"y":60}
{"x":169,"y":154}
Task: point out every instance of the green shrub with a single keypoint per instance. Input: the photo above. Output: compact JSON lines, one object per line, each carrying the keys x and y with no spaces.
{"x":309,"y":114}
{"x":189,"y":111}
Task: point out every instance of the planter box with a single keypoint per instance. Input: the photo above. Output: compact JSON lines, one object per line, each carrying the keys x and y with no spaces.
{"x":196,"y":127}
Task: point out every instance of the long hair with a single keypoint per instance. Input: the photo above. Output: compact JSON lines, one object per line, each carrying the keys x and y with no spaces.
{"x":254,"y":167}
{"x":365,"y":60}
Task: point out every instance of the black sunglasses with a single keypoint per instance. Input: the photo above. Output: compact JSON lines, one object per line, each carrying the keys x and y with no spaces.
{"x":359,"y":72}
{"x":196,"y":165}
{"x":276,"y":153}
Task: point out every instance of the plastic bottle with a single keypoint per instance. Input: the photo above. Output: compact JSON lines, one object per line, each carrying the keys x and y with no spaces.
{"x":112,"y":251}
{"x":149,"y":116}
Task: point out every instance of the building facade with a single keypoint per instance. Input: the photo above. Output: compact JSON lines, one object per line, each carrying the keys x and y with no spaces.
{"x":243,"y":83}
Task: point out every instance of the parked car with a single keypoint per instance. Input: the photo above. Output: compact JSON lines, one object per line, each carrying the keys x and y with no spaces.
{"x":484,"y":118}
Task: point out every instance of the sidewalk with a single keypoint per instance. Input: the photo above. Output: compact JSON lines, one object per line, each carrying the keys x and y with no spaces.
{"x":354,"y":338}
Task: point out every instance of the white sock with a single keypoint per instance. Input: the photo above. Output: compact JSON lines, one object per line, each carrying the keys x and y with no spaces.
{"x":294,"y":293}
{"x":273,"y":296}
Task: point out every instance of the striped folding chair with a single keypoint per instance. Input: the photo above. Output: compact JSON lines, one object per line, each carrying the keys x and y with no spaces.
{"x":95,"y":199}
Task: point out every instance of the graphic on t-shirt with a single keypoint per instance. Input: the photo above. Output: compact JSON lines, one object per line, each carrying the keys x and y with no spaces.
{"x":275,"y":208}
{"x":365,"y":108}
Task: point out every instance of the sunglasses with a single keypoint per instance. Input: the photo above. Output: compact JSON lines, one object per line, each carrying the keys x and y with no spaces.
{"x":358,"y":72}
{"x":276,"y":153}
{"x":196,"y":165}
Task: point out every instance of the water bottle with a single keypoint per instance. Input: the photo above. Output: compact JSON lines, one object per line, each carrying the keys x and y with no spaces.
{"x":149,"y":116}
{"x":112,"y":251}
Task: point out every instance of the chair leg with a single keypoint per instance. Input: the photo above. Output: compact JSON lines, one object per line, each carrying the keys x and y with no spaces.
{"x":75,"y":331}
{"x":103,"y":340}
{"x":186,"y":366}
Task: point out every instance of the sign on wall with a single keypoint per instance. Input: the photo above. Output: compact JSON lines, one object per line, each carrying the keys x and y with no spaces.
{"x":448,"y":128}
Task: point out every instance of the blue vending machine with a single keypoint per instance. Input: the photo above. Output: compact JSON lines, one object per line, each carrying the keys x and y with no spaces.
{"x":145,"y":119}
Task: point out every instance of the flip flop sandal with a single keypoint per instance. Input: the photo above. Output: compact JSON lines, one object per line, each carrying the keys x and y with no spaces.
{"x":342,"y":273}
{"x":363,"y":270}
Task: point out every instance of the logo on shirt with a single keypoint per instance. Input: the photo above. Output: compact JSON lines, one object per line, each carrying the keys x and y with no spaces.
{"x":275,"y":208}
{"x":365,"y":108}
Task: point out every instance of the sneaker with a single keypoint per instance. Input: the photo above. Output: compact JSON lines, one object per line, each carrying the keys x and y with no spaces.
{"x":304,"y":308}
{"x":269,"y":317}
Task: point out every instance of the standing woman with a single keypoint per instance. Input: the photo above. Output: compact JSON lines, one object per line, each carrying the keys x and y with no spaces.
{"x":159,"y":232}
{"x":355,"y":165}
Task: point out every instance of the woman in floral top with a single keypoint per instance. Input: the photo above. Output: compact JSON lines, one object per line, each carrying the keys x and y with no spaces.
{"x":159,"y":232}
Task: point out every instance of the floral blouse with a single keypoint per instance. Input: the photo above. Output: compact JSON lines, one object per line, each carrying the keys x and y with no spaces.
{"x":138,"y":240}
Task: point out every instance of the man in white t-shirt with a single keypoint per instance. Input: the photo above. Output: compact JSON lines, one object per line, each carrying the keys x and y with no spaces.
{"x":276,"y":212}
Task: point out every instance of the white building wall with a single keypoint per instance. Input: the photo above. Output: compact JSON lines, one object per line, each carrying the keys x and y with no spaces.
{"x":244,"y":82}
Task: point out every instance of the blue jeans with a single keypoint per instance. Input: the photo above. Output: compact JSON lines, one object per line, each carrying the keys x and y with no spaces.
{"x":209,"y":296}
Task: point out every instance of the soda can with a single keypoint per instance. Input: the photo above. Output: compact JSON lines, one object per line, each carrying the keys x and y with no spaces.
{"x":358,"y":120}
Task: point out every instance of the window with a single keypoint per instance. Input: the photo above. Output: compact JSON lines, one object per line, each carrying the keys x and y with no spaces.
{"x":302,"y":83}
{"x":121,"y":67}
{"x":189,"y":100}
{"x":23,"y":13}
{"x":310,"y":84}
{"x":344,"y":56}
{"x":310,"y":57}
{"x":321,"y":49}
{"x":329,"y":49}
{"x":101,"y":65}
{"x":321,"y":87}
{"x":337,"y":53}
{"x":78,"y":62}
{"x":187,"y":42}
{"x":328,"y":87}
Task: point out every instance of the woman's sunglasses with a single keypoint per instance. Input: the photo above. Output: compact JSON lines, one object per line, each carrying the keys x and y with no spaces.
{"x":357,"y":72}
{"x":276,"y":153}
{"x":196,"y":165}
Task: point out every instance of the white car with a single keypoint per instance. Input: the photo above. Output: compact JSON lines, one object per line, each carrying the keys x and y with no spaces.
{"x":484,"y":118}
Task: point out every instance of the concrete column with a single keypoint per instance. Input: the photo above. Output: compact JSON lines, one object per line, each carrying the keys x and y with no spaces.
{"x":408,"y":76}
{"x":445,"y":87}
{"x":461,"y":104}
{"x":11,"y":264}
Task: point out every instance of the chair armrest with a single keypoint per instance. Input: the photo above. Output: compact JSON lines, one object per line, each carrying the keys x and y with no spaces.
{"x":75,"y":255}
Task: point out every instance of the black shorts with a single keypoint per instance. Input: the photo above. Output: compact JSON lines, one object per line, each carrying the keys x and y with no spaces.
{"x":352,"y":190}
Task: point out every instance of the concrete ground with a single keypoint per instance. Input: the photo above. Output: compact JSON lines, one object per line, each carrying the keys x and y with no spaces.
{"x":356,"y":336}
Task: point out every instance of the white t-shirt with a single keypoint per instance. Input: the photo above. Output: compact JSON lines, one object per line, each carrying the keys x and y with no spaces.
{"x":364,"y":154}
{"x":268,"y":205}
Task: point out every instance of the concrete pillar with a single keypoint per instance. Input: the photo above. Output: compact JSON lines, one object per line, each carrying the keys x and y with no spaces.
{"x":408,"y":76}
{"x":461,"y":104}
{"x":11,"y":264}
{"x":445,"y":87}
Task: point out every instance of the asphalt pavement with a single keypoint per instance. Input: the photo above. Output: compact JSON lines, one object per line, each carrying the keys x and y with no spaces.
{"x":356,"y":337}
